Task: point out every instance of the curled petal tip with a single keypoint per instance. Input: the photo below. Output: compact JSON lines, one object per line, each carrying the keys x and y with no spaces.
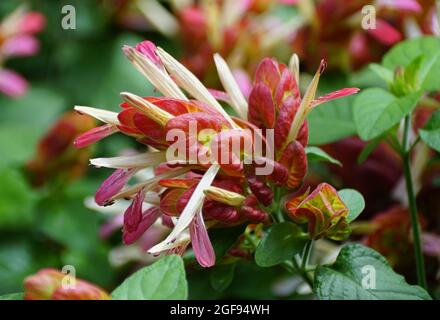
{"x":322,"y":66}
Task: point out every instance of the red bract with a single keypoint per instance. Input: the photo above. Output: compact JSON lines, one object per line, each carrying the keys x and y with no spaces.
{"x":324,"y":212}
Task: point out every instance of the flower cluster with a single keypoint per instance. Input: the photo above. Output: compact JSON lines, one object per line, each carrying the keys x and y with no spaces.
{"x":191,"y":196}
{"x":242,"y":31}
{"x":332,"y":26}
{"x":17,"y":39}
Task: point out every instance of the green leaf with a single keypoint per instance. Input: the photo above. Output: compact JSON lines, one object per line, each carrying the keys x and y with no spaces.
{"x":17,"y":200}
{"x":331,"y":122}
{"x":21,"y":257}
{"x":281,"y":242}
{"x":317,"y":154}
{"x":20,"y":128}
{"x":222,"y":239}
{"x":369,"y":148}
{"x":376,"y":111}
{"x":12,"y":296}
{"x":163,"y":280}
{"x":430,"y":133}
{"x":363,"y":274}
{"x":221,"y":276}
{"x":406,"y":52}
{"x":354,"y":201}
{"x":382,"y":72}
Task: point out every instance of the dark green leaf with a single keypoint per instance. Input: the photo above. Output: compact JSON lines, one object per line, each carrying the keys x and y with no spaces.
{"x":281,"y":242}
{"x":354,"y":201}
{"x":221,"y":276}
{"x":369,"y":148}
{"x":223,"y":238}
{"x":317,"y":154}
{"x":163,"y":280}
{"x":430,"y":133}
{"x":361,"y":273}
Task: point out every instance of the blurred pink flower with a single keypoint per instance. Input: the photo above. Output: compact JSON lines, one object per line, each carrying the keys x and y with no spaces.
{"x":17,"y":39}
{"x":12,"y":84}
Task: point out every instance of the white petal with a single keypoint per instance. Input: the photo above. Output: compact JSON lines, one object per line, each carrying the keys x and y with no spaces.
{"x":158,"y":77}
{"x":125,"y":162}
{"x":231,"y":86}
{"x":159,"y":17}
{"x":194,"y":204}
{"x":150,"y":110}
{"x":294,"y":67}
{"x":305,"y":105}
{"x":190,"y":83}
{"x":100,"y":114}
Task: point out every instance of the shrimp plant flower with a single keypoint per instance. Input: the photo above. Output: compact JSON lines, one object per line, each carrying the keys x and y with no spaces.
{"x":203,"y":188}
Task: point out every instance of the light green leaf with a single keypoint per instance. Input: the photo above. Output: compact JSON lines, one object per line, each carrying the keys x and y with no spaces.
{"x":354,"y":201}
{"x":369,"y":148}
{"x":281,"y":242}
{"x":23,"y":121}
{"x":221,"y":276}
{"x":163,"y":280}
{"x":317,"y":154}
{"x":382,"y":72}
{"x":17,"y":200}
{"x":376,"y":111}
{"x":360,"y":273}
{"x":332,"y":121}
{"x":12,"y":296}
{"x":406,"y":52}
{"x":430,"y":133}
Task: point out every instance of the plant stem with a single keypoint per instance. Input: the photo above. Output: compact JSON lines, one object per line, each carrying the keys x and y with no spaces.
{"x":278,"y":209}
{"x":306,"y":254}
{"x":302,"y":273}
{"x":420,"y":264}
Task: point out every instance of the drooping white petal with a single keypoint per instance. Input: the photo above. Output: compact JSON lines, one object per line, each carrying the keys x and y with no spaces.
{"x":190,"y":83}
{"x":100,"y":114}
{"x":193,"y":206}
{"x":231,"y":86}
{"x":183,"y":239}
{"x":125,"y":162}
